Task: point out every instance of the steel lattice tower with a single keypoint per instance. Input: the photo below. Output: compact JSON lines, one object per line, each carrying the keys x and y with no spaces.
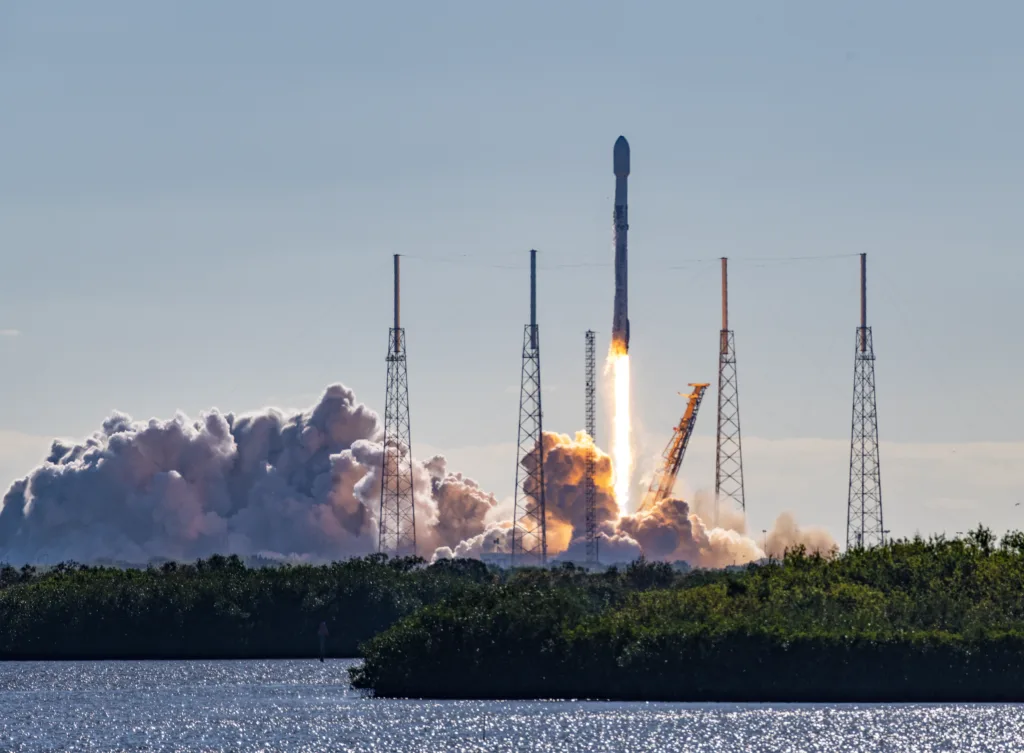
{"x":397,"y":534}
{"x":864,"y":507}
{"x":529,"y":531}
{"x":729,"y":452}
{"x":589,"y":488}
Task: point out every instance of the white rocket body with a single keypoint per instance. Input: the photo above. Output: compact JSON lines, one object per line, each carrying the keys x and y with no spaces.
{"x":620,"y":319}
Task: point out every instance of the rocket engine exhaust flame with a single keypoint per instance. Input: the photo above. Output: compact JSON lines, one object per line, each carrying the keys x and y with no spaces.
{"x":622,"y":453}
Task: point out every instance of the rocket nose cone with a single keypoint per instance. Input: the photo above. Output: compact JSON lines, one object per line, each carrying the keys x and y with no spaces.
{"x":620,"y":157}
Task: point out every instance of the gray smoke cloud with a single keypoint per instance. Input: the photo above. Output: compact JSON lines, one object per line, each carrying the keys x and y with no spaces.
{"x":304,"y":485}
{"x":613,"y":548}
{"x":670,"y":531}
{"x":787,"y":534}
{"x":459,"y":507}
{"x":307,"y":486}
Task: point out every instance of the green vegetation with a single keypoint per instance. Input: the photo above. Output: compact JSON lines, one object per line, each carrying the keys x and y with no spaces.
{"x":216,"y":608}
{"x":915,"y":620}
{"x":219,"y":608}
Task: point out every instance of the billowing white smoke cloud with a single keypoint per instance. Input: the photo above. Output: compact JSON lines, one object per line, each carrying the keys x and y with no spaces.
{"x":458,"y":506}
{"x":496,"y":538}
{"x":612,"y":548}
{"x":308,"y":485}
{"x":302,"y":485}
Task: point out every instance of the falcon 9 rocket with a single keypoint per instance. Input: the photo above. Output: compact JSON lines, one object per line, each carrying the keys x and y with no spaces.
{"x":618,"y":355}
{"x":620,"y":319}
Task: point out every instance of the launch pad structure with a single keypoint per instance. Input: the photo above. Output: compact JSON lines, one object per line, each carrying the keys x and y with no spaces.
{"x":397,"y":522}
{"x":672,"y":458}
{"x":729,"y":449}
{"x":529,"y":524}
{"x":590,"y":409}
{"x":864,"y":527}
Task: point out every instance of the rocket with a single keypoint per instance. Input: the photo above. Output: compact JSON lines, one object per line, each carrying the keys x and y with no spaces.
{"x":620,"y":318}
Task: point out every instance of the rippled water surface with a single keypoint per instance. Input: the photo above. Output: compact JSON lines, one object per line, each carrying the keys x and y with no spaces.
{"x":308,"y":706}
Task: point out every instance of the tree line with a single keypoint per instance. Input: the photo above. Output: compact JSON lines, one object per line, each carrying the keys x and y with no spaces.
{"x":915,"y":620}
{"x":220,"y":608}
{"x":213,"y":608}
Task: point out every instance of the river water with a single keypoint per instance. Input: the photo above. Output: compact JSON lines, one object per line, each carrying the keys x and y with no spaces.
{"x":308,"y":706}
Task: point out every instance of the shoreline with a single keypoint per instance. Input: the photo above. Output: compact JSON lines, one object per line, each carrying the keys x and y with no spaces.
{"x":802,"y":701}
{"x":195,"y":657}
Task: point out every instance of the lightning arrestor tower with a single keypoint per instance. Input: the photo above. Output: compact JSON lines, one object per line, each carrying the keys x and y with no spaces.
{"x":864,"y":507}
{"x":729,"y":453}
{"x":529,"y":531}
{"x":397,"y":534}
{"x":590,"y":490}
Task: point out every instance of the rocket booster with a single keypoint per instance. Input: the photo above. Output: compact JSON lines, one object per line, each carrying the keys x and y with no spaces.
{"x":620,"y":319}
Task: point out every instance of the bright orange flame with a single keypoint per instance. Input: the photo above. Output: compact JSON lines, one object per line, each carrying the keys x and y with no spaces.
{"x":622,"y":453}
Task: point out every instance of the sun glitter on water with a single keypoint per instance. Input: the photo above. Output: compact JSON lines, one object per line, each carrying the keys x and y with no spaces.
{"x":622,"y":455}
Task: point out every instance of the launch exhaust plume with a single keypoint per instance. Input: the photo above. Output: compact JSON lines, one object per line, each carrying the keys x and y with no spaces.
{"x":307,"y":486}
{"x":670,"y":530}
{"x":622,"y":450}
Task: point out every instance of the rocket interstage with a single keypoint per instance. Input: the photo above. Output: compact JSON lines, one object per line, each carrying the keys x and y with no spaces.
{"x":620,"y":318}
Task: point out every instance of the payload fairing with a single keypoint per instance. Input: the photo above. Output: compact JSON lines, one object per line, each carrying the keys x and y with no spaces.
{"x":620,"y":319}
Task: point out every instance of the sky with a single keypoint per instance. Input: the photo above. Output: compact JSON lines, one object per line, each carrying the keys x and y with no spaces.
{"x":199,"y":204}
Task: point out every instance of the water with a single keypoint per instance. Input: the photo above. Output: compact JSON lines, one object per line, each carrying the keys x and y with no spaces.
{"x":307,"y":706}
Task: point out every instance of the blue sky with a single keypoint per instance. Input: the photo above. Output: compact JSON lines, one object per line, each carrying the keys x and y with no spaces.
{"x":199,"y":203}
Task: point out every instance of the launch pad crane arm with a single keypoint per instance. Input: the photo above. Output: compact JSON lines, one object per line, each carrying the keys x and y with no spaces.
{"x":672,"y":458}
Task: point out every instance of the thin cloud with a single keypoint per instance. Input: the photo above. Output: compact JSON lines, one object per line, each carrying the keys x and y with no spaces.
{"x":10,"y":333}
